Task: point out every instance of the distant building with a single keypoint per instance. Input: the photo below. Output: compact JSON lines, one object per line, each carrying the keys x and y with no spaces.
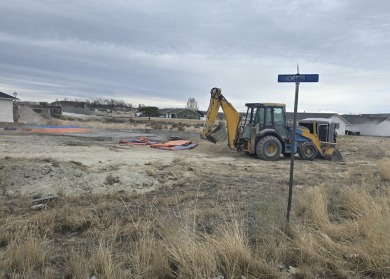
{"x":94,"y":109}
{"x":76,"y":107}
{"x":6,"y":107}
{"x":368,"y":124}
{"x":40,"y":107}
{"x":179,"y":113}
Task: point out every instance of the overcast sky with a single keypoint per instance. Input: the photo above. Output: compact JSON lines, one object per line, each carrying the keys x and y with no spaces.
{"x":162,"y":52}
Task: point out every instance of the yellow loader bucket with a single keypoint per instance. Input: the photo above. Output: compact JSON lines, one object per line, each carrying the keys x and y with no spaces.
{"x":332,"y":153}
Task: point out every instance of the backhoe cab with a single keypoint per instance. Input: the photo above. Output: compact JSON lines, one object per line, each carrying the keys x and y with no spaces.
{"x":263,"y":131}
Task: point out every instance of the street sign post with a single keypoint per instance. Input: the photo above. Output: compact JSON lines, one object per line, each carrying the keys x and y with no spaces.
{"x":298,"y":78}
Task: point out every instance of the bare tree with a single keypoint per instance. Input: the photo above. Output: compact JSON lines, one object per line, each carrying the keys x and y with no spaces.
{"x":192,"y":104}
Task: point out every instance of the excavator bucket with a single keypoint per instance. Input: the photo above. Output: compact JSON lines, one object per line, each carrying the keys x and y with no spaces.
{"x":218,"y":134}
{"x":332,"y":153}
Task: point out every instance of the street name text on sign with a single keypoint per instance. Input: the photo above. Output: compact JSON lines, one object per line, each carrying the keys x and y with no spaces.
{"x":298,"y":78}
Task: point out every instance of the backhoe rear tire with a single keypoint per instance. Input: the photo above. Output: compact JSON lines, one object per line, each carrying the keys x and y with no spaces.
{"x":308,"y":151}
{"x":269,"y":148}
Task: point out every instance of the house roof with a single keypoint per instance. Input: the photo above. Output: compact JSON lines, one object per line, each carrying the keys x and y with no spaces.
{"x":363,"y":119}
{"x":303,"y":115}
{"x":6,"y":96}
{"x":318,"y":120}
{"x":174,"y":110}
{"x":165,"y":110}
{"x":384,"y":115}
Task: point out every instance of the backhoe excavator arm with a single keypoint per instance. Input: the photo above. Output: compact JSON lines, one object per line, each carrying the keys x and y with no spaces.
{"x":233,"y":119}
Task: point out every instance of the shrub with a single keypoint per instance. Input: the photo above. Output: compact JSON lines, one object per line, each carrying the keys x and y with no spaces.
{"x":384,"y":170}
{"x":157,"y":125}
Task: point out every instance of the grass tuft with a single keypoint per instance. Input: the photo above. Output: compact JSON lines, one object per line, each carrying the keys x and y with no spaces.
{"x":26,"y":258}
{"x":384,"y":170}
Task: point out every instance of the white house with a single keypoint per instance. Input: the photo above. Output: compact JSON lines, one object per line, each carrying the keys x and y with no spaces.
{"x":6,"y":107}
{"x":369,"y":125}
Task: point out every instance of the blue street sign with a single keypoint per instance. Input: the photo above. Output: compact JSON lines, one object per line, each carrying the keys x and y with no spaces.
{"x":298,"y":78}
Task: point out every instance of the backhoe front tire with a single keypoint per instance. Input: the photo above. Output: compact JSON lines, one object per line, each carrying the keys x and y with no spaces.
{"x":269,"y":148}
{"x":308,"y":151}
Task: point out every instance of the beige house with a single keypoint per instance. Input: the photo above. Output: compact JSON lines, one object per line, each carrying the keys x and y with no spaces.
{"x":6,"y":107}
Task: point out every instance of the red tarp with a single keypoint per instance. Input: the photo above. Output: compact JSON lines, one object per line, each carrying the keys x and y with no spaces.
{"x":175,"y":145}
{"x":140,"y":141}
{"x":170,"y":145}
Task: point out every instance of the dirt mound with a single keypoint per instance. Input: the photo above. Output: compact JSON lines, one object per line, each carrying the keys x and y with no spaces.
{"x":365,"y":147}
{"x":36,"y":165}
{"x":37,"y":178}
{"x":28,"y":115}
{"x":24,"y":177}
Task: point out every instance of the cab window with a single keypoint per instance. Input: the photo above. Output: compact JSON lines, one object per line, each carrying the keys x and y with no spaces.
{"x":259,"y":119}
{"x":278,"y":116}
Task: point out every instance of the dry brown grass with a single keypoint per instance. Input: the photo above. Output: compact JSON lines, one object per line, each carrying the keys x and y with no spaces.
{"x":188,"y":252}
{"x":344,"y":230}
{"x":340,"y":227}
{"x":26,"y":258}
{"x":384,"y":170}
{"x":336,"y":233}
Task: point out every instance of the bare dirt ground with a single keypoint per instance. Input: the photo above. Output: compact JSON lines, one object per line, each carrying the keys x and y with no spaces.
{"x":209,"y":177}
{"x":36,"y":165}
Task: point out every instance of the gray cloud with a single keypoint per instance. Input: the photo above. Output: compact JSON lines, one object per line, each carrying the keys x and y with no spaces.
{"x":163,"y":52}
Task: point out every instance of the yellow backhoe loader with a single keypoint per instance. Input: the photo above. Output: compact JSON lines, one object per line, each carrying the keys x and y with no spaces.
{"x":263,"y":131}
